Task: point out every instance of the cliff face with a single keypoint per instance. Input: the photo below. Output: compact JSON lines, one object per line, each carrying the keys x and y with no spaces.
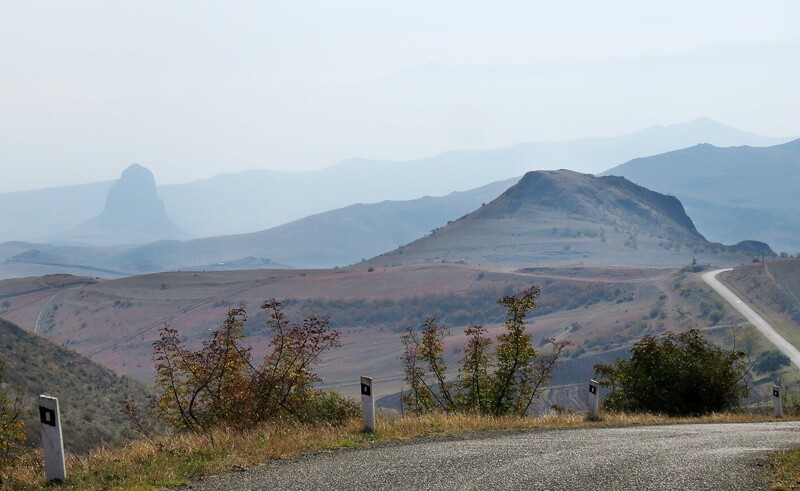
{"x":133,"y":214}
{"x":133,"y":202}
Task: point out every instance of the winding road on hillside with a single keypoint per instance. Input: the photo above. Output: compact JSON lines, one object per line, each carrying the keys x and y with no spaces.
{"x":38,"y":326}
{"x":674,"y":457}
{"x":784,"y":346}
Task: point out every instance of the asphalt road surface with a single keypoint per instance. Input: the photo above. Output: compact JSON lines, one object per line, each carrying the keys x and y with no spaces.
{"x":755,"y":319}
{"x":671,"y":457}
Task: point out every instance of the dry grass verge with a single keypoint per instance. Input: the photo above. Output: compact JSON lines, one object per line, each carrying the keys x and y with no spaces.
{"x":785,"y":470}
{"x":174,"y":461}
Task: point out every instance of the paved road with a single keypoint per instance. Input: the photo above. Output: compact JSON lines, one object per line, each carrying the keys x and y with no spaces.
{"x":675,"y":457}
{"x":755,"y":319}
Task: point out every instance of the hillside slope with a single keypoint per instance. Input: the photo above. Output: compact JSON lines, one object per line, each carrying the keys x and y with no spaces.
{"x":600,"y":310}
{"x":90,"y":396}
{"x":772,"y":288}
{"x":31,"y":215}
{"x":563,"y":217}
{"x":731,"y":193}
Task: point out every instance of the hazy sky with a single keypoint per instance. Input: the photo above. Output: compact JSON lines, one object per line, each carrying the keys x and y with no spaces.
{"x":195,"y":88}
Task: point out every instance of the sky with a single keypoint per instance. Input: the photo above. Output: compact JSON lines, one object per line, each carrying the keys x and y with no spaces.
{"x":196,"y":88}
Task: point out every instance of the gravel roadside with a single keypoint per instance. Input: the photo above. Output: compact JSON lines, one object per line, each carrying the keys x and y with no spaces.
{"x":671,"y":457}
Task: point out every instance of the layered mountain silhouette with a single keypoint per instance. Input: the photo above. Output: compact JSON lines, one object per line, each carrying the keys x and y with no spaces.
{"x":259,"y":199}
{"x":564,"y":217}
{"x":133,"y":214}
{"x":548,"y":217}
{"x":731,"y":193}
{"x":334,"y":238}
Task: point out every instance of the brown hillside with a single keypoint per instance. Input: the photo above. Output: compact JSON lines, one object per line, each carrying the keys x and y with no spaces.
{"x":773,"y":288}
{"x":90,"y":395}
{"x":601,"y":310}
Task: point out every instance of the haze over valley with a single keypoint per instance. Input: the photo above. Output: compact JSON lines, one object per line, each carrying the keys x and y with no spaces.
{"x":171,"y":173}
{"x":135,"y":232}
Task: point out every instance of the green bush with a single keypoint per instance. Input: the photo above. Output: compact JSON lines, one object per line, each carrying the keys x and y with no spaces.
{"x":332,"y":408}
{"x":676,"y":374}
{"x":772,"y":361}
{"x":715,"y":316}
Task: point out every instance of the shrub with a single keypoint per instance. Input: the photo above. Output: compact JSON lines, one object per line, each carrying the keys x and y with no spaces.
{"x":772,"y":361}
{"x":12,"y":429}
{"x":715,"y":316}
{"x":332,"y":408}
{"x":495,"y":382}
{"x":220,"y":385}
{"x":676,"y":374}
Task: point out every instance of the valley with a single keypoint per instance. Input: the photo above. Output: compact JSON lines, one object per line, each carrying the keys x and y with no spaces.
{"x":214,"y":220}
{"x":602,"y":311}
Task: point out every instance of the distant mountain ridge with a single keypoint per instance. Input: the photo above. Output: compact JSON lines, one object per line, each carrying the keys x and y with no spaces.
{"x":548,"y":217}
{"x":564,"y":217}
{"x":334,"y":238}
{"x":731,"y":193}
{"x":258,"y":199}
{"x":263,"y":199}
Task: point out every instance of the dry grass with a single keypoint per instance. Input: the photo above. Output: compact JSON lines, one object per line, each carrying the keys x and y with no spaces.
{"x":785,"y":470}
{"x":174,"y":461}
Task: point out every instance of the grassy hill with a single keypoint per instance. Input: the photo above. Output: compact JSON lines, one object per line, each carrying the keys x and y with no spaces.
{"x":90,"y":395}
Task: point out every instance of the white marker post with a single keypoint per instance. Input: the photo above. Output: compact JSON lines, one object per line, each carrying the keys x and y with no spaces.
{"x":52,"y":441}
{"x":776,"y":397}
{"x":367,"y":405}
{"x":594,"y":399}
